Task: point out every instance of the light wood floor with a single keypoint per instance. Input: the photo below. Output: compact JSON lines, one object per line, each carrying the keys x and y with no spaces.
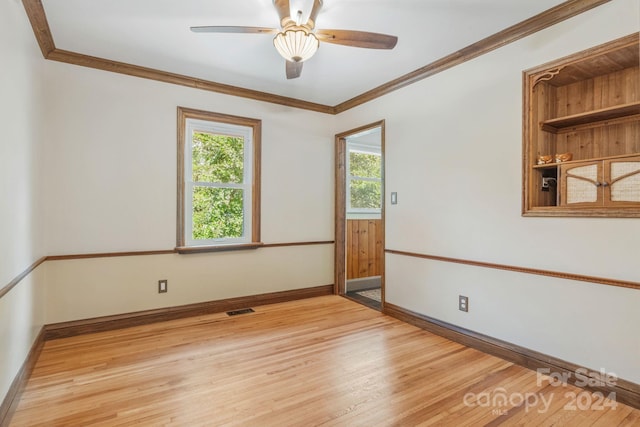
{"x":321,"y":361}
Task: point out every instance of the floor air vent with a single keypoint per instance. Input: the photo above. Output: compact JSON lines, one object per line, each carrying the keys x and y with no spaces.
{"x":241,"y":311}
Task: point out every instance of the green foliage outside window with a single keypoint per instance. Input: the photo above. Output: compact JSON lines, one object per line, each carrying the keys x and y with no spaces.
{"x":217,"y":158}
{"x":365,"y":194}
{"x":217,"y":212}
{"x":365,"y":165}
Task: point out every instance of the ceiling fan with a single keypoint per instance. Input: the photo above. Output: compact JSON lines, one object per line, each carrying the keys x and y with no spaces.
{"x":299,"y":40}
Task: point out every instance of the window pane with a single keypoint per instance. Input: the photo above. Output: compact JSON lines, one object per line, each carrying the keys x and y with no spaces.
{"x":365,"y":165}
{"x":217,"y":213}
{"x":217,"y":158}
{"x":366,"y":194}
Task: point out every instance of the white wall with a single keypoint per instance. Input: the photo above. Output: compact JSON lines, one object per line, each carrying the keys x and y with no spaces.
{"x":21,"y":234}
{"x":105,"y":147}
{"x":111,"y":187}
{"x":80,"y":289}
{"x":453,"y":154}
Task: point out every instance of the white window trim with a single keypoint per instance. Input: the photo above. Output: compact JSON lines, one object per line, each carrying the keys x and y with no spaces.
{"x":246,"y":133}
{"x":366,"y":149}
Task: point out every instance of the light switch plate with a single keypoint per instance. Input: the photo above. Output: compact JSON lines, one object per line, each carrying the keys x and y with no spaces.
{"x":163,"y":286}
{"x":394,"y":198}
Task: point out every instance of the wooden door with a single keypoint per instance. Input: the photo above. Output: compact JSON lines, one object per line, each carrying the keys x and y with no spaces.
{"x":622,"y":181}
{"x":581,"y":184}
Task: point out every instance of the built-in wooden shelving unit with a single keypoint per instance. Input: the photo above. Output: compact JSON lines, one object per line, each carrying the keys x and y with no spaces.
{"x":587,"y":104}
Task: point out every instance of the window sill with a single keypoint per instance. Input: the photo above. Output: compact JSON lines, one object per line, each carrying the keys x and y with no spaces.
{"x":184,"y":250}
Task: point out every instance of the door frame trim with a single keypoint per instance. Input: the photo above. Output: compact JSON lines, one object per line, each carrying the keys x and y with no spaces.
{"x":340,"y":214}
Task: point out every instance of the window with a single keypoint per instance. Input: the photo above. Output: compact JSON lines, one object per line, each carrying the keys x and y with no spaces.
{"x":364,"y":178}
{"x":218,"y":181}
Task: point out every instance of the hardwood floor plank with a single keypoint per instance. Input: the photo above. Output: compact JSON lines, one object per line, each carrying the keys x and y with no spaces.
{"x":321,"y":361}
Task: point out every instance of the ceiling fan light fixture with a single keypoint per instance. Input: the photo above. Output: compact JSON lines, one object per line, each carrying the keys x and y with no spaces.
{"x":296,"y":45}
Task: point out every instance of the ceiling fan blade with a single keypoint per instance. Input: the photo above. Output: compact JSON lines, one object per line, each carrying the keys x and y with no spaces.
{"x":236,"y":30}
{"x":282,"y":7}
{"x":357,"y":38}
{"x":294,"y":69}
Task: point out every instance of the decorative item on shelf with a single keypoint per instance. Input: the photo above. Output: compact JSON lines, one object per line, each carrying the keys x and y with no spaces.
{"x":546,"y":159}
{"x":564,"y":157}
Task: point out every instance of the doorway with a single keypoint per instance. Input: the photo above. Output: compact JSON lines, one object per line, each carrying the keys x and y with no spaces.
{"x":359,"y":214}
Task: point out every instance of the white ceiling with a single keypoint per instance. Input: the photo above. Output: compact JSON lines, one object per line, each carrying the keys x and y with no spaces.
{"x":155,"y":34}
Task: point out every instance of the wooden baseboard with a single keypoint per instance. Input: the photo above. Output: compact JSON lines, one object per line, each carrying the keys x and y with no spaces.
{"x":355,"y":285}
{"x":626,"y":392}
{"x":108,"y":323}
{"x":10,"y":401}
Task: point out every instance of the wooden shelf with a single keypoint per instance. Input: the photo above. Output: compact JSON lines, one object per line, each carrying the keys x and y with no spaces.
{"x":547,"y":166}
{"x":555,"y":125}
{"x":591,"y":159}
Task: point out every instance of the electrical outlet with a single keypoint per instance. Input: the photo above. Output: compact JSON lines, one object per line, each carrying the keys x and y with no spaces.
{"x":463,"y":303}
{"x":548,"y":182}
{"x":163,"y":286}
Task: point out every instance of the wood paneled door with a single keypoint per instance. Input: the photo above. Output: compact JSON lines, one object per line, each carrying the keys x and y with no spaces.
{"x":364,"y":248}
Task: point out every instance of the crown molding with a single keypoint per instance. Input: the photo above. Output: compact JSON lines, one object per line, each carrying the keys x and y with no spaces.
{"x":182,"y":80}
{"x":568,"y":9}
{"x":516,"y":32}
{"x":40,"y":25}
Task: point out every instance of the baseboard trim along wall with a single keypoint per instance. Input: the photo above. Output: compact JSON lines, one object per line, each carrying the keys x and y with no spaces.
{"x":526,"y":270}
{"x":119,"y":321}
{"x":353,"y":285}
{"x":108,"y":323}
{"x":626,"y":392}
{"x":10,"y":401}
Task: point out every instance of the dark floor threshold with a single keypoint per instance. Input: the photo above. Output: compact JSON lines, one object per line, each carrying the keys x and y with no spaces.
{"x":371,"y":303}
